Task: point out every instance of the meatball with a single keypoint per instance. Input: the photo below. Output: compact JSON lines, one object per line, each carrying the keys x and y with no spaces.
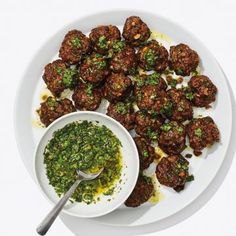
{"x":117,"y":87}
{"x":202,"y":132}
{"x":74,"y":46}
{"x":183,"y":59}
{"x":142,"y":192}
{"x":53,"y":108}
{"x":182,"y":109}
{"x":146,"y":152}
{"x":122,"y":112}
{"x":153,"y":56}
{"x":58,"y":77}
{"x":152,"y":79}
{"x":94,"y":69}
{"x":172,"y":138}
{"x":148,"y":124}
{"x":123,"y":59}
{"x":135,"y":31}
{"x":203,"y":90}
{"x":86,"y":97}
{"x":172,"y":171}
{"x":103,"y":37}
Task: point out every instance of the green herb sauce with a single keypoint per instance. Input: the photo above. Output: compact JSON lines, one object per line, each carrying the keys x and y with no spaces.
{"x":88,"y":147}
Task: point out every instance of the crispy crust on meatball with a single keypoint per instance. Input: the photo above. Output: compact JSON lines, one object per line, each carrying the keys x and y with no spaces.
{"x":182,"y":108}
{"x":202,"y":132}
{"x":172,"y":171}
{"x":58,"y":77}
{"x":142,"y":192}
{"x":204,"y":91}
{"x":94,"y":69}
{"x":117,"y":87}
{"x":148,"y":124}
{"x":146,"y":152}
{"x":53,"y":108}
{"x":122,"y":112}
{"x":172,"y":138}
{"x":74,"y":46}
{"x":135,"y":31}
{"x":86,"y":97}
{"x":153,"y":56}
{"x":103,"y":37}
{"x":183,"y":59}
{"x":123,"y":59}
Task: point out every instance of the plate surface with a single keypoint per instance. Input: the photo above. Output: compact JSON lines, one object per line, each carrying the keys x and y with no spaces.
{"x":204,"y":169}
{"x":129,"y":174}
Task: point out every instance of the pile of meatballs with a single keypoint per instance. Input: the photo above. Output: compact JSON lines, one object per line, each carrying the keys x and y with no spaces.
{"x":133,"y":72}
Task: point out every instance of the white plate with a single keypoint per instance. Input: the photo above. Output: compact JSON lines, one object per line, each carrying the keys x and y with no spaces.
{"x":204,"y":169}
{"x":129,"y":174}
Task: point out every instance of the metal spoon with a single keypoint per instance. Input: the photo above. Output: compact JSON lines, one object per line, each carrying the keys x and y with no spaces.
{"x":52,"y":215}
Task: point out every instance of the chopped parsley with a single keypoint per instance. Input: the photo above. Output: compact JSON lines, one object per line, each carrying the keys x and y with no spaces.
{"x":100,"y":64}
{"x":150,"y":58}
{"x":122,"y":108}
{"x":118,"y":46}
{"x":166,"y":110}
{"x":198,"y":132}
{"x":190,"y":178}
{"x":189,"y":96}
{"x":102,"y":42}
{"x":179,"y":129}
{"x":145,"y":154}
{"x":179,"y":71}
{"x":152,"y":79}
{"x":59,"y":70}
{"x":151,"y":134}
{"x":68,"y":77}
{"x":52,"y":102}
{"x":89,"y":90}
{"x":166,"y":127}
{"x":76,"y":42}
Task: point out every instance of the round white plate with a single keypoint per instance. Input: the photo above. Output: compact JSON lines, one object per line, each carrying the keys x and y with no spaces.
{"x":129,"y":173}
{"x":204,"y":169}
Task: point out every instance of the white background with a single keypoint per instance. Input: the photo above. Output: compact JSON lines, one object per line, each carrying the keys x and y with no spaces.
{"x":25,"y":25}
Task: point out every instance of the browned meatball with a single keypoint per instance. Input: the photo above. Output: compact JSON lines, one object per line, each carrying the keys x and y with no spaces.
{"x":122,"y":112}
{"x":94,"y":69}
{"x":172,"y":138}
{"x":152,"y":79}
{"x":86,"y":97}
{"x":103,"y":37}
{"x":142,"y":192}
{"x":203,"y":90}
{"x":172,"y":171}
{"x":182,"y":109}
{"x":74,"y":46}
{"x":153,"y":56}
{"x":135,"y":31}
{"x":58,"y":77}
{"x":53,"y":108}
{"x":202,"y":132}
{"x":117,"y":87}
{"x":148,"y":124}
{"x":183,"y":59}
{"x":146,"y":152}
{"x":123,"y":59}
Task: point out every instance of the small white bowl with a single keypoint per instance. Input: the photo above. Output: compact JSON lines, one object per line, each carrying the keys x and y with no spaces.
{"x":129,"y":173}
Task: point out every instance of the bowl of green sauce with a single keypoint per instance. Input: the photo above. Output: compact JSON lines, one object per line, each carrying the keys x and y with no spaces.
{"x":87,"y":141}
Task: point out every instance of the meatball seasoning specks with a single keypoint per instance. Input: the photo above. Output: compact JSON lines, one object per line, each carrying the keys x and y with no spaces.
{"x":202,"y":132}
{"x":74,"y":46}
{"x":183,"y":59}
{"x":54,"y":108}
{"x":135,"y":31}
{"x":142,"y":192}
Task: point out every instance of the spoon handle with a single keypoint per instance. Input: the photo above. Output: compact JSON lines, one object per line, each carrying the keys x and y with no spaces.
{"x":52,"y":215}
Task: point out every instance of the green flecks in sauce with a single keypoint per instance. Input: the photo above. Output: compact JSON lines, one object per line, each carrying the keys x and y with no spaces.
{"x":88,"y":147}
